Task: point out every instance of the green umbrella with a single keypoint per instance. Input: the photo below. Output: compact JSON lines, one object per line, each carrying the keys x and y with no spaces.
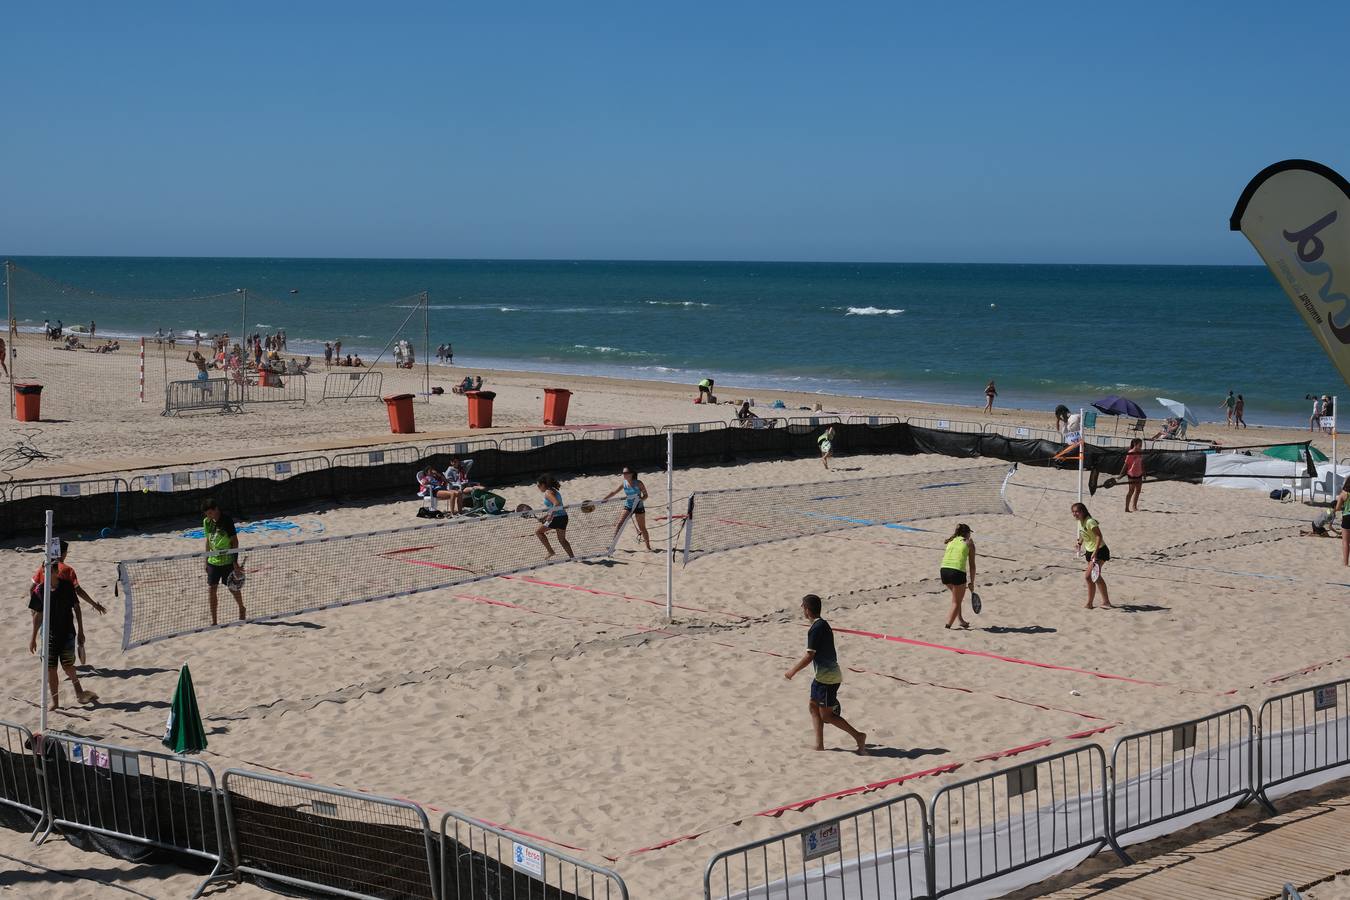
{"x":1294,"y":452}
{"x":184,"y":733}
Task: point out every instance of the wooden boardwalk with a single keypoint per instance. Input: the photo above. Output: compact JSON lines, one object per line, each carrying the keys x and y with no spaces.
{"x":1301,"y":847}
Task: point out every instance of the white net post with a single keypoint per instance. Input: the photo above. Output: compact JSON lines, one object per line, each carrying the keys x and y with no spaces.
{"x":142,"y":382}
{"x":1082,"y":448}
{"x":670,"y":525}
{"x":11,"y":352}
{"x":47,"y":560}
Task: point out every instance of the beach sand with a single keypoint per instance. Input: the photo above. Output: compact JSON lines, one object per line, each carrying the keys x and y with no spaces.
{"x":579,"y":714}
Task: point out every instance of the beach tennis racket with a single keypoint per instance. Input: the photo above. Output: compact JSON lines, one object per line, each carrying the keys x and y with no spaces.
{"x":1095,"y":572}
{"x":975,"y":603}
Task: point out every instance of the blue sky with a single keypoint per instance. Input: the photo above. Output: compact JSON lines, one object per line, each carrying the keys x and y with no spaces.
{"x":1046,"y":132}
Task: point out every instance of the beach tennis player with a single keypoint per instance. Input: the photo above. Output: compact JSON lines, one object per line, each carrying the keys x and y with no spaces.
{"x":1093,"y":547}
{"x":1340,"y":509}
{"x":555,"y":514}
{"x":824,"y":702}
{"x":634,"y":504}
{"x":222,"y":560}
{"x":65,"y":631}
{"x":826,"y":442}
{"x":958,"y":571}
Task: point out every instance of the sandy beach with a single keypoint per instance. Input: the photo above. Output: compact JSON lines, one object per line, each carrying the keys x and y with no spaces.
{"x":566,"y":706}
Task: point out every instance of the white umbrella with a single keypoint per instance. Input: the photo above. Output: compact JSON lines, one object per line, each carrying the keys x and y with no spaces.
{"x":1179,"y":410}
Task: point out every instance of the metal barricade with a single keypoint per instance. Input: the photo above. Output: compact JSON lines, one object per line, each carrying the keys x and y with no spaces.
{"x":535,"y":441}
{"x":1000,"y":825}
{"x":23,"y":490}
{"x":459,"y":448}
{"x":328,"y":839}
{"x":148,"y":798}
{"x":812,"y":422}
{"x":1023,"y":432}
{"x":280,"y":470}
{"x":21,"y":772}
{"x":1303,"y":738}
{"x":382,"y":457}
{"x":693,"y":427}
{"x":366,"y":384}
{"x":210,"y":394}
{"x":269,"y":387}
{"x":480,"y":860}
{"x":874,"y":421}
{"x":614,"y":434}
{"x":960,"y":426}
{"x":878,"y":851}
{"x":1168,"y":778}
{"x":188,"y":480}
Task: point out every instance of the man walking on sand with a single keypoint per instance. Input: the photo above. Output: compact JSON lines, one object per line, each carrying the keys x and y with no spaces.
{"x":65,"y":631}
{"x":222,"y":561}
{"x":824,"y":700}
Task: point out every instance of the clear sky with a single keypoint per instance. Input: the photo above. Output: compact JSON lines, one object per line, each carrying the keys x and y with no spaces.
{"x":998,"y":132}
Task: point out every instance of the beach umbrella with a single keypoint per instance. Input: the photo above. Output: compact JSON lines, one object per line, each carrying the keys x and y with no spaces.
{"x":1179,"y":409}
{"x":1120,"y":406}
{"x":184,"y":732}
{"x":1294,"y":452}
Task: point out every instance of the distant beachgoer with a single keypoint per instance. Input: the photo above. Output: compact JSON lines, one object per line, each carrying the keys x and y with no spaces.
{"x":1095,"y":552}
{"x":634,"y":504}
{"x":222,"y":561}
{"x":826,"y":442}
{"x":65,"y":630}
{"x":1238,"y":409}
{"x":47,"y":327}
{"x":990,"y":392}
{"x":327,"y":355}
{"x":705,"y":390}
{"x":337,"y":348}
{"x":958,"y":571}
{"x":1316,"y":416}
{"x":93,"y":329}
{"x":1061,"y":418}
{"x":1133,"y":471}
{"x":349,"y":360}
{"x":1227,"y":405}
{"x":449,"y":354}
{"x":555,"y":514}
{"x":824,"y":699}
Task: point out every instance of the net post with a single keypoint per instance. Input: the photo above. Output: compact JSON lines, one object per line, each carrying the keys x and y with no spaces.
{"x":11,"y":352}
{"x":46,"y":616}
{"x":1082,"y":448}
{"x":243,"y":315}
{"x":670,"y":525}
{"x":426,"y":342}
{"x":1335,"y":409}
{"x":142,"y":371}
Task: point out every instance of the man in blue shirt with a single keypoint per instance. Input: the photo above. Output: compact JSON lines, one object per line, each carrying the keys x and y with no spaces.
{"x":824,"y":702}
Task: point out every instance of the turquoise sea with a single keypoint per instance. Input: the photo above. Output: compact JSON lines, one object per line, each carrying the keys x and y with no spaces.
{"x":1047,"y":333}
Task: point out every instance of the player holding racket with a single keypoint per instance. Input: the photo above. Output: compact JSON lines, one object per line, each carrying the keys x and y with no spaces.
{"x":1093,"y":547}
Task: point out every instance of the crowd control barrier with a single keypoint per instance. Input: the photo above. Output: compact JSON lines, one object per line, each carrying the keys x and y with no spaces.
{"x":205,"y":395}
{"x":481,"y":860}
{"x":381,"y":457}
{"x":1168,"y":778}
{"x":1303,"y":739}
{"x":534,"y":441}
{"x":874,"y":420}
{"x":879,"y":851}
{"x":148,"y":798}
{"x":276,"y":388}
{"x":362,"y":385}
{"x":327,"y":839}
{"x":694,"y":427}
{"x":283,"y":469}
{"x":616,"y":434}
{"x":20,"y":775}
{"x":183,"y":480}
{"x":960,"y":426}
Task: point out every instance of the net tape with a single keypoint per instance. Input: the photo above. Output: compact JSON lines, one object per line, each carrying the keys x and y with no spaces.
{"x":744,"y":517}
{"x":289,"y":579}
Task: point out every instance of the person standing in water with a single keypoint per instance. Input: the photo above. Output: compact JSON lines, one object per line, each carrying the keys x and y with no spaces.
{"x":958,"y":571}
{"x":1095,"y":552}
{"x":824,"y":700}
{"x":555,"y":515}
{"x":634,"y":504}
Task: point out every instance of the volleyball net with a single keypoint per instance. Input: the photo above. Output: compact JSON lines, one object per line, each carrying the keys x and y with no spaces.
{"x":743,"y":517}
{"x":167,"y":596}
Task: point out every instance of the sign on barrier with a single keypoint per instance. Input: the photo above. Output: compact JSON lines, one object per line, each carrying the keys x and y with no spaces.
{"x":476,"y":857}
{"x":141,"y":796}
{"x":363,"y":385}
{"x":327,"y":839}
{"x":1168,"y":778}
{"x":168,"y":482}
{"x":812,"y":421}
{"x":209,"y":394}
{"x":1020,"y":825}
{"x":1024,"y":432}
{"x":22,"y":490}
{"x":874,"y":421}
{"x":1303,"y":739}
{"x":957,"y":425}
{"x":280,"y":470}
{"x":878,"y":851}
{"x":20,"y":773}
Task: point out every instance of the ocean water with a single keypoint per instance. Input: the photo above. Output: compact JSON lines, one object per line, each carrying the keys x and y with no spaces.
{"x":1048,"y":334}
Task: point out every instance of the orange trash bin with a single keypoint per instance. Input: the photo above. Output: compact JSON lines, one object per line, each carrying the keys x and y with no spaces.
{"x":480,"y":408}
{"x":555,"y":405}
{"x":400,"y":407}
{"x":28,"y":401}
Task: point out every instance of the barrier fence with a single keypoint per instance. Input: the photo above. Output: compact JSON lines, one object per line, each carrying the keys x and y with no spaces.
{"x":383,"y":456}
{"x":1303,"y":738}
{"x":141,"y":796}
{"x":270,"y":387}
{"x":209,"y":394}
{"x":182,"y":480}
{"x":364,"y":385}
{"x":480,"y":860}
{"x":327,"y":839}
{"x":878,"y":851}
{"x":20,"y":776}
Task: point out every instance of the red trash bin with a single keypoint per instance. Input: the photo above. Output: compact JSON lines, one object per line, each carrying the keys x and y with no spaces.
{"x":28,"y":401}
{"x":480,"y":408}
{"x":555,"y":406}
{"x":400,"y":407}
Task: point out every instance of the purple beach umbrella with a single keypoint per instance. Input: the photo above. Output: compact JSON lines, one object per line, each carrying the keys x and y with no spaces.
{"x":1120,"y":406}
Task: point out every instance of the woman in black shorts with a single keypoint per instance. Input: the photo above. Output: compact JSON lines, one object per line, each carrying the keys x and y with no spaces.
{"x":1340,"y":510}
{"x":555,"y":514}
{"x":958,"y":571}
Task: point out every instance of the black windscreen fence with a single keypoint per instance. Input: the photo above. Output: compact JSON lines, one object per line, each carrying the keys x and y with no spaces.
{"x":115,"y":507}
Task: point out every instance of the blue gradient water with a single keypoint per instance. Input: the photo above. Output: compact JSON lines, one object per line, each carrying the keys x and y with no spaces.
{"x":1048,"y":334}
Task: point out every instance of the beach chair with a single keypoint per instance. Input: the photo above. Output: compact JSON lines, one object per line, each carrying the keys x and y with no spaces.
{"x":1298,"y":485}
{"x":1137,"y":427}
{"x":1090,"y":420}
{"x":1328,"y":487}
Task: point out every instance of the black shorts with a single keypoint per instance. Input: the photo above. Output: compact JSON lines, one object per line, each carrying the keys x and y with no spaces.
{"x":557,"y":523}
{"x":636,"y":510}
{"x":1103,"y":554}
{"x":952,"y":576}
{"x":216,"y":574}
{"x":1345,"y":523}
{"x":61,"y":649}
{"x":826,"y":695}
